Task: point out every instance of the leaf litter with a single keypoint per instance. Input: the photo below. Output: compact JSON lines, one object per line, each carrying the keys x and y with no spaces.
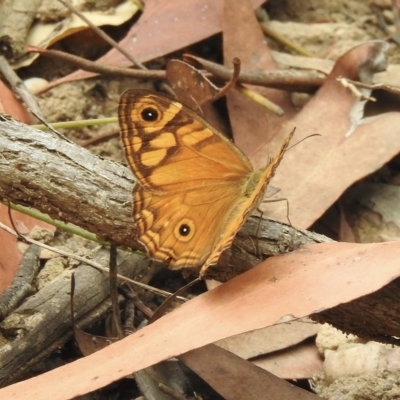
{"x":310,"y":175}
{"x":308,"y":273}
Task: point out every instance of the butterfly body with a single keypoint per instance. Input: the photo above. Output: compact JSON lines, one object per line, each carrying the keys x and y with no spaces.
{"x":194,"y":188}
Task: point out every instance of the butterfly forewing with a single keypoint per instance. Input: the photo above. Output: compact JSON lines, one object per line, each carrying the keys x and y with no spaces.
{"x":177,"y":149}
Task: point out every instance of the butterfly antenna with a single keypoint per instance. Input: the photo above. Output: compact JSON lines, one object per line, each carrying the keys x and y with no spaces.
{"x":307,"y":137}
{"x":276,"y":161}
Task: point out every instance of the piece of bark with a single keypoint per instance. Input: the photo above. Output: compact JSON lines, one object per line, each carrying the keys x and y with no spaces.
{"x":21,"y":285}
{"x":16,"y":18}
{"x":43,"y":323}
{"x":67,"y":182}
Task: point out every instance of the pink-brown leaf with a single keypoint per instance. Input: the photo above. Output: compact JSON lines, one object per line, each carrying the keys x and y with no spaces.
{"x":313,"y":174}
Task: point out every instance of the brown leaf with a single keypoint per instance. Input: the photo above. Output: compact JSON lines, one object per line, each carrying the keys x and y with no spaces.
{"x":190,"y":86}
{"x":159,"y":31}
{"x":280,"y":349}
{"x":89,"y":343}
{"x":270,"y":339}
{"x":252,"y":124}
{"x":313,"y":278}
{"x":47,"y":33}
{"x":194,"y":90}
{"x":235,"y":378}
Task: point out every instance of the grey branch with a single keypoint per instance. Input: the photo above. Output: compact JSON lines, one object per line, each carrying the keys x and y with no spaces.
{"x":42,"y":170}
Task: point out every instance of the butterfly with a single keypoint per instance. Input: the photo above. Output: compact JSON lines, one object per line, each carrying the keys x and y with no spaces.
{"x":194,"y":188}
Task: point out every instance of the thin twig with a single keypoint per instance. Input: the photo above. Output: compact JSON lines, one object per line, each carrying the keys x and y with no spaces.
{"x":49,"y":127}
{"x":161,"y":310}
{"x":104,"y":36}
{"x":113,"y":276}
{"x":263,"y":18}
{"x":91,"y":66}
{"x":279,"y":79}
{"x":10,"y":217}
{"x":128,"y":293}
{"x":372,"y":86}
{"x":353,"y":89}
{"x":232,"y":81}
{"x":88,"y":262}
{"x":18,"y":86}
{"x":262,"y":100}
{"x":75,"y":124}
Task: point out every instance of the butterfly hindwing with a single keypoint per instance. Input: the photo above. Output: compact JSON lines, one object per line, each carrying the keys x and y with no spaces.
{"x":181,"y":230}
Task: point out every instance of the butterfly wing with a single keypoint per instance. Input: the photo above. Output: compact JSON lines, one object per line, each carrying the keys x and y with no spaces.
{"x":169,"y":147}
{"x":253,"y":192}
{"x":192,"y":227}
{"x":195,"y":188}
{"x":181,"y":230}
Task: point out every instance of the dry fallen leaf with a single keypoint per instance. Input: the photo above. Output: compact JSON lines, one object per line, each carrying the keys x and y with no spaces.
{"x":270,"y":339}
{"x":194,"y":90}
{"x":45,"y":34}
{"x":286,"y":349}
{"x":10,"y":254}
{"x":237,"y":379}
{"x":252,"y":124}
{"x":313,"y":174}
{"x":313,"y":278}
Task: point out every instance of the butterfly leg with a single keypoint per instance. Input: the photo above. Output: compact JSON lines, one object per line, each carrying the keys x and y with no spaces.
{"x":258,"y":232}
{"x":262,"y":214}
{"x":287,"y":207}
